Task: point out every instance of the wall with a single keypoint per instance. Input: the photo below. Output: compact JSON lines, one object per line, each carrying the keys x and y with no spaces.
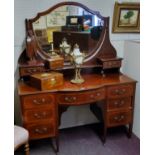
{"x":131,"y":67}
{"x":28,"y":9}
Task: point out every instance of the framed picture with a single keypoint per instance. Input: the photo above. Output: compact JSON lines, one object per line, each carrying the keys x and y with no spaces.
{"x":74,"y":20}
{"x":126,"y":18}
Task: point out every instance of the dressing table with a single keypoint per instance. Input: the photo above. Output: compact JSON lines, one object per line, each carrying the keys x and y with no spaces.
{"x":109,"y":93}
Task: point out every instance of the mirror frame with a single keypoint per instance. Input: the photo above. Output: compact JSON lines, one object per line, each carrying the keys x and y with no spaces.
{"x":103,"y":49}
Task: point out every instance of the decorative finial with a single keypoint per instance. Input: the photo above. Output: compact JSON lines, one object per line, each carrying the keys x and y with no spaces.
{"x":76,"y":46}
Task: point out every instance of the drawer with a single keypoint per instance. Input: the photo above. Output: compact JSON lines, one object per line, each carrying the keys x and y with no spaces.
{"x":38,"y":101}
{"x":111,"y":64}
{"x":56,"y":63}
{"x":42,"y":130}
{"x":120,"y":103}
{"x":81,"y":98}
{"x":34,"y":115}
{"x":118,"y":118}
{"x":120,"y":91}
{"x":30,"y":70}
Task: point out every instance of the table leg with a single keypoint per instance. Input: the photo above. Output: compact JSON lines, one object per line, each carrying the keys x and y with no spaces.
{"x":129,"y":134}
{"x":56,"y":146}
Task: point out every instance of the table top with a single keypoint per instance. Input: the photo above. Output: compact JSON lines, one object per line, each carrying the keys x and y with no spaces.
{"x":92,"y":81}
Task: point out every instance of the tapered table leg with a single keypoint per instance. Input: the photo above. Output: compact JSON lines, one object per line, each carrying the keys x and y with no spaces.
{"x":129,"y":133}
{"x":56,"y":144}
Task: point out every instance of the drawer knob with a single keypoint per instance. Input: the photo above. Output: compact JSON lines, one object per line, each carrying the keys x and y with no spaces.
{"x":43,"y":100}
{"x":36,"y":102}
{"x":41,"y":131}
{"x":42,"y":115}
{"x":36,"y":115}
{"x":116,"y":103}
{"x":66,"y":98}
{"x":110,"y":64}
{"x":92,"y":96}
{"x":119,"y":118}
{"x":124,"y":90}
{"x":38,"y":131}
{"x":74,"y":98}
{"x":122,"y":117}
{"x":120,"y":92}
{"x":98,"y":94}
{"x":45,"y":129}
{"x":39,"y":102}
{"x":122,"y":102}
{"x":117,"y":91}
{"x":70,"y":99}
{"x":119,"y":103}
{"x":31,"y":70}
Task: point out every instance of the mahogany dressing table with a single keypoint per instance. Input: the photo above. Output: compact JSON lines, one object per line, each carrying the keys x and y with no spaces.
{"x":106,"y":89}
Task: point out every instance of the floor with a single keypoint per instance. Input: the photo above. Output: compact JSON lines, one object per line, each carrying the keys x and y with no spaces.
{"x":85,"y":140}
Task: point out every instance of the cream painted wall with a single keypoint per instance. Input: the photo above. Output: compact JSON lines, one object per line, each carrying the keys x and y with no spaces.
{"x":28,"y":9}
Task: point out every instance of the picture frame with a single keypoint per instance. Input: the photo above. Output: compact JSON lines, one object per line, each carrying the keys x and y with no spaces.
{"x":74,"y":20}
{"x":126,"y":18}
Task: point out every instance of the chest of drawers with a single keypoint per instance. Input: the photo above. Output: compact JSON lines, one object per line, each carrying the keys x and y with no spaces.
{"x":119,"y":105}
{"x":39,"y":113}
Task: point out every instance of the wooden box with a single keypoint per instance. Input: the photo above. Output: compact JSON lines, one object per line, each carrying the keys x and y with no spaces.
{"x":46,"y":81}
{"x":55,"y":62}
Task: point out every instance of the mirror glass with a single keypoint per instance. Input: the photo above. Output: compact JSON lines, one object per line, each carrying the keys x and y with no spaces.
{"x":74,"y":23}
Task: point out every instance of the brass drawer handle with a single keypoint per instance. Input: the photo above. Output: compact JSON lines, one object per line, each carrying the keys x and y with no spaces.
{"x":116,"y":103}
{"x":45,"y":129}
{"x":38,"y":102}
{"x":119,"y":118}
{"x":91,"y":96}
{"x":119,"y":103}
{"x":120,"y":92}
{"x":110,"y":64}
{"x":66,"y":98}
{"x":70,"y":99}
{"x":117,"y":91}
{"x":122,"y":102}
{"x":34,"y":70}
{"x":38,"y":131}
{"x":41,"y":131}
{"x":98,"y":94}
{"x":44,"y":114}
{"x":39,"y":116}
{"x":123,"y":91}
{"x":74,"y":98}
{"x":31,"y":70}
{"x":43,"y":100}
{"x":36,"y":115}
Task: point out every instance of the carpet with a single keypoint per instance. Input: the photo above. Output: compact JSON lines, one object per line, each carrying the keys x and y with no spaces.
{"x":85,"y":140}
